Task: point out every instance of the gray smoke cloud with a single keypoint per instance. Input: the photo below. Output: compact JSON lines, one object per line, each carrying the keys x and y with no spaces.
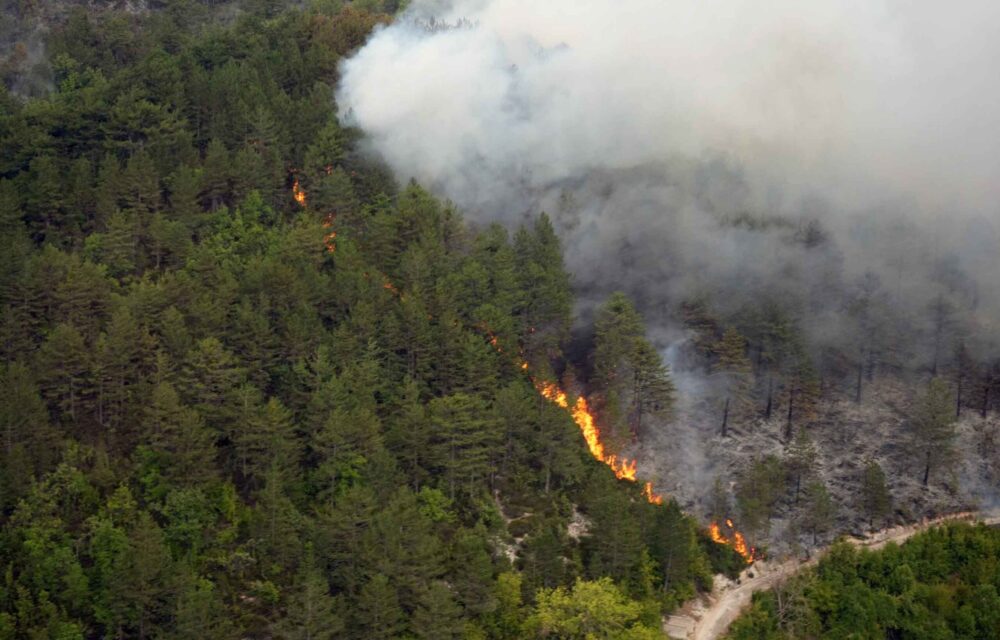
{"x":660,"y":133}
{"x":807,"y":153}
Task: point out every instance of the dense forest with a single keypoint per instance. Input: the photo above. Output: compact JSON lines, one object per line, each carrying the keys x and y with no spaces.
{"x":943,"y":583}
{"x":253,"y":388}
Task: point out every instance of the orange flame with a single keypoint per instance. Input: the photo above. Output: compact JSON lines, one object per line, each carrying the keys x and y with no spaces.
{"x":297,"y":192}
{"x":736,"y":541}
{"x":623,"y":468}
{"x":330,"y":237}
{"x":654,"y":498}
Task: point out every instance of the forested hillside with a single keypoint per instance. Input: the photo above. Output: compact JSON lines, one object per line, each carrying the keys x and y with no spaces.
{"x":940,"y":584}
{"x":254,"y":389}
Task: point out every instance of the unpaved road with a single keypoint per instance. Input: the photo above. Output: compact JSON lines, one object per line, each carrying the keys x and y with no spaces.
{"x":726,"y":604}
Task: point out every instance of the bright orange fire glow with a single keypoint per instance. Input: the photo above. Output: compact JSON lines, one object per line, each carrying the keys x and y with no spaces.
{"x":297,"y":192}
{"x":623,"y":468}
{"x":734,"y":540}
{"x":330,"y":237}
{"x":647,"y":490}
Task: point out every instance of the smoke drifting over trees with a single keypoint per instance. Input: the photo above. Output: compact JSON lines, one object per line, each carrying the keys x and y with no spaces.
{"x":719,"y":149}
{"x":815,"y":187}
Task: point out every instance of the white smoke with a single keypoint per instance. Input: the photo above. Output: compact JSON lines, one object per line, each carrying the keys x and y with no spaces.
{"x":855,"y":94}
{"x":644,"y":127}
{"x":638,"y":124}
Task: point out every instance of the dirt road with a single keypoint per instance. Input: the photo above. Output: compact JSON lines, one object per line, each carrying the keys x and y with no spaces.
{"x":725,"y":604}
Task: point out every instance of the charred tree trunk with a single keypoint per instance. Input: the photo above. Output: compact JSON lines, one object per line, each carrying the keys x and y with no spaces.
{"x":857,"y":389}
{"x":927,"y":468}
{"x":958,"y":399}
{"x":770,"y":397}
{"x":791,"y":407}
{"x":725,"y":419}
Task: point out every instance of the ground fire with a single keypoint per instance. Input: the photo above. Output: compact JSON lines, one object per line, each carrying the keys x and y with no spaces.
{"x":623,"y":468}
{"x":734,"y":539}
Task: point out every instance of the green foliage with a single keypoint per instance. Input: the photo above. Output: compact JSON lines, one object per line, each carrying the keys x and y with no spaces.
{"x":219,"y":420}
{"x":875,"y":499}
{"x":758,"y":492}
{"x":933,"y":429}
{"x":628,"y":371}
{"x":591,"y":610}
{"x":940,"y":584}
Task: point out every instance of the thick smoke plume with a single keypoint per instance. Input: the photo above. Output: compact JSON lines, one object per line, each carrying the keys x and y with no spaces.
{"x":813,"y":154}
{"x":725,"y":147}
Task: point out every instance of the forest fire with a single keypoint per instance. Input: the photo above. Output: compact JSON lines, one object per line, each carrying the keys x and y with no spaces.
{"x":735,"y":540}
{"x":330,"y":237}
{"x":623,"y":469}
{"x":298,"y":192}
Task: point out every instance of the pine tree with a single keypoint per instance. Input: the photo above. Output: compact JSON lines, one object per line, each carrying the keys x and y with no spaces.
{"x":876,"y":501}
{"x":471,"y":571}
{"x":547,"y":294}
{"x":84,"y":297}
{"x":615,"y":543}
{"x":208,"y":381}
{"x":627,"y":369}
{"x":652,"y":388}
{"x":199,"y":612}
{"x":437,"y":617}
{"x":464,"y":442}
{"x":140,"y":187}
{"x":800,"y":460}
{"x":311,"y":613}
{"x":179,"y":435}
{"x":216,"y":175}
{"x":818,"y":513}
{"x":378,"y":614}
{"x":674,"y":546}
{"x":142,"y":582}
{"x":408,"y":434}
{"x":733,"y":369}
{"x":267,"y":443}
{"x":345,"y":444}
{"x":64,"y":373}
{"x":185,"y":185}
{"x":125,"y":357}
{"x":28,"y":444}
{"x":117,"y":247}
{"x":933,"y":428}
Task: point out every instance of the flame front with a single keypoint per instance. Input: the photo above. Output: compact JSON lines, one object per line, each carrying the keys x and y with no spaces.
{"x":735,"y":540}
{"x":623,"y":469}
{"x":297,"y":192}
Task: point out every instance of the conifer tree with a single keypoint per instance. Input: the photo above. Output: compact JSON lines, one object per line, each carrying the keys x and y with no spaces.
{"x":378,"y":615}
{"x":800,"y":460}
{"x":311,"y":613}
{"x":933,"y":429}
{"x":733,"y":369}
{"x":876,"y":501}
{"x":627,"y":369}
{"x":437,"y":616}
{"x":464,"y":444}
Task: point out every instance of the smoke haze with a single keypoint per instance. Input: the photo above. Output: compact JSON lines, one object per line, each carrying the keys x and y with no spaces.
{"x":653,"y":130}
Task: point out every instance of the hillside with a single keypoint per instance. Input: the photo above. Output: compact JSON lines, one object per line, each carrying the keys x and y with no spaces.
{"x":256,"y":389}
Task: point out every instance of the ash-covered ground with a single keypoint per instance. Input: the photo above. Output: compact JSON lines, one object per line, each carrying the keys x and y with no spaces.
{"x":685,"y":456}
